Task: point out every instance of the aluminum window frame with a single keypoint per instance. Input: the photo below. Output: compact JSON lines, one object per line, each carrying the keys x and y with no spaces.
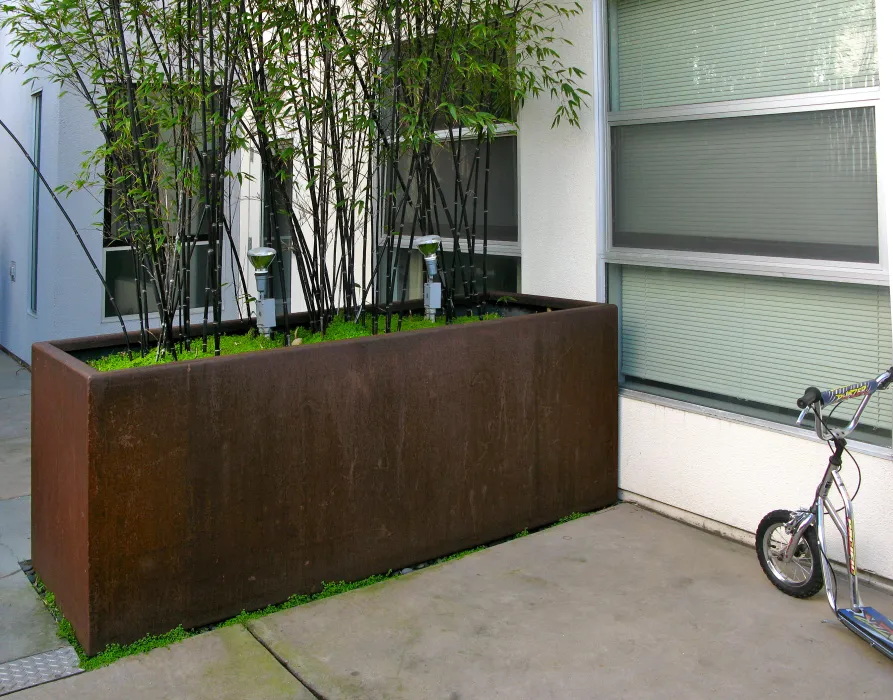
{"x":34,"y":242}
{"x":511,"y":249}
{"x":194,"y":311}
{"x":800,"y":268}
{"x":827,"y":270}
{"x":505,"y":248}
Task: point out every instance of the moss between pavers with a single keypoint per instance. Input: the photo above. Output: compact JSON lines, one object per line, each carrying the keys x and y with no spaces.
{"x":113,"y":652}
{"x":339,"y":329}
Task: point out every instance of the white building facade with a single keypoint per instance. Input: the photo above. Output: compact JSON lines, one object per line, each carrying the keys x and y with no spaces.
{"x":728,"y":189}
{"x":48,"y":288}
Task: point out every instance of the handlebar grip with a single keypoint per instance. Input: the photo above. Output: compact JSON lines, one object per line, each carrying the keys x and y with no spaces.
{"x":811,"y":396}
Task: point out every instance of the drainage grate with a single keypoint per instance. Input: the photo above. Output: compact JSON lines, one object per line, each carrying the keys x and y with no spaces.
{"x":37,"y":669}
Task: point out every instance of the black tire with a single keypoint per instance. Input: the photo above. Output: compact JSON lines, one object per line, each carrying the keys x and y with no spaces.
{"x":808,"y":555}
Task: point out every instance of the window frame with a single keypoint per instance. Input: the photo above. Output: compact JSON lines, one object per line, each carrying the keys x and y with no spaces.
{"x":506,"y":248}
{"x":767,"y":266}
{"x":34,"y":242}
{"x":286,"y":298}
{"x":510,"y":249}
{"x":110,"y":242}
{"x":833,"y":271}
{"x":194,"y":311}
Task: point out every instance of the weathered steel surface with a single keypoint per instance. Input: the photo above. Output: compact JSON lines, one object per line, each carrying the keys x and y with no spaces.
{"x":231,"y":483}
{"x":60,"y":471}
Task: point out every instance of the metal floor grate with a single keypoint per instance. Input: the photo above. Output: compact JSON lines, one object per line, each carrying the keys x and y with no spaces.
{"x":37,"y":669}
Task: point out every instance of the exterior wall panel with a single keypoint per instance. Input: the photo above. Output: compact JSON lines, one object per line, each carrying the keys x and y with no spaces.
{"x":735,"y":473}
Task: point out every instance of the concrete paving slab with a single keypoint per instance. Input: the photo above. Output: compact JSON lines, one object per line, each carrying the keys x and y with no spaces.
{"x":227,"y":664}
{"x":621,"y":604}
{"x":15,"y":380}
{"x":15,"y":533}
{"x":26,"y":626}
{"x":15,"y":417}
{"x":15,"y":466}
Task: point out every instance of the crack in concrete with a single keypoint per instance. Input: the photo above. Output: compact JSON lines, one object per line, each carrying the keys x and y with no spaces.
{"x":14,"y":498}
{"x":284,"y":664}
{"x":18,"y":568}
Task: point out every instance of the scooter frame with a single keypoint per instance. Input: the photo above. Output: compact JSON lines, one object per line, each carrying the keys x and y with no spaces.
{"x":865,"y":622}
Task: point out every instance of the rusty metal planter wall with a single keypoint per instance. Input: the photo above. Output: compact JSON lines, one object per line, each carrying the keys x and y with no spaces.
{"x":185,"y":493}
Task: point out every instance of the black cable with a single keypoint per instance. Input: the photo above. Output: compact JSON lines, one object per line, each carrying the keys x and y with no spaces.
{"x":830,"y":568}
{"x":847,"y":450}
{"x":859,"y":470}
{"x":74,"y":229}
{"x":852,"y":498}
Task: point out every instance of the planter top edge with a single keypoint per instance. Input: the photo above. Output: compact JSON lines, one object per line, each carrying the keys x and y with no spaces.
{"x":59,"y":353}
{"x":62,"y":350}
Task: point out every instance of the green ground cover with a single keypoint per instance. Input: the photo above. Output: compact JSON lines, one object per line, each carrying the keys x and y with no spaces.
{"x":339,"y":329}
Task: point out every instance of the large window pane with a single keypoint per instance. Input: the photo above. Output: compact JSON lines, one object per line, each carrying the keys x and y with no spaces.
{"x":276,"y":217}
{"x":757,"y":341}
{"x":792,"y":185}
{"x":671,"y":52}
{"x":503,"y":272}
{"x":501,"y":190}
{"x":121,"y":277}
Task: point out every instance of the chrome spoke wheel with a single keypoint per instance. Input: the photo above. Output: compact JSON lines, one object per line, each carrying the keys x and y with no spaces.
{"x":800,"y":577}
{"x":799,"y":569}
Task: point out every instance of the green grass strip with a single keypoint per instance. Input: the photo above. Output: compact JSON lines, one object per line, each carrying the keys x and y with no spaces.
{"x":568,"y":518}
{"x":112,"y":652}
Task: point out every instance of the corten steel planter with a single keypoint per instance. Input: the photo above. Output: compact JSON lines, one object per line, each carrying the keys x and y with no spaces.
{"x":187,"y":492}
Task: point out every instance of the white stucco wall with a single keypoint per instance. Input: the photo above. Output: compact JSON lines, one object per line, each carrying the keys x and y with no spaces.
{"x":70,"y":296}
{"x":735,"y":473}
{"x":18,"y":327}
{"x":557,"y":184}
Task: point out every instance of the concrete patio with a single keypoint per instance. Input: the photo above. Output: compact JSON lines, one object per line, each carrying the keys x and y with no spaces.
{"x":26,"y":627}
{"x":620,"y":604}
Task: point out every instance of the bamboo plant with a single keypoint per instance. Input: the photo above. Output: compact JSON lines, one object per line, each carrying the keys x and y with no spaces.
{"x":353,"y":107}
{"x":158,"y":79}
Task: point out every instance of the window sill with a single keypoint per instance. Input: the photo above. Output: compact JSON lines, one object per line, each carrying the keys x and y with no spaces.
{"x":749,"y":107}
{"x":802,"y":433}
{"x":195,"y":317}
{"x":826,"y":270}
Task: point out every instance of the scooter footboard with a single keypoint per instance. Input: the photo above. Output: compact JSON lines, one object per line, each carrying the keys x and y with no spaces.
{"x":874,"y":627}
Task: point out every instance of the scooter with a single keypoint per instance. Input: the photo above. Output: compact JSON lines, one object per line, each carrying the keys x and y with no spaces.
{"x":791,"y":545}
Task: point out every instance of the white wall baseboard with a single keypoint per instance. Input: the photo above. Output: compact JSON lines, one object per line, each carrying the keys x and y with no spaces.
{"x":736,"y":534}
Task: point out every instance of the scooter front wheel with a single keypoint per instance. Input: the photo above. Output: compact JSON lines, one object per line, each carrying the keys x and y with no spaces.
{"x":800,"y":577}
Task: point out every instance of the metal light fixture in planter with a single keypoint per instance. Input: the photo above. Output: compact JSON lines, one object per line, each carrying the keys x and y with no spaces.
{"x":428,"y":246}
{"x":261,"y":259}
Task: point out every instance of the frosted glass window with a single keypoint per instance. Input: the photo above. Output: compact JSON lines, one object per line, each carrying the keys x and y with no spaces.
{"x":502,"y":189}
{"x":503,"y":272}
{"x":799,"y":185}
{"x":761,"y":340}
{"x":673,"y":52}
{"x":120,"y":275}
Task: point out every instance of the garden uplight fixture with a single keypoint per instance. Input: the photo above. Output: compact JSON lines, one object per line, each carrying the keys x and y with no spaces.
{"x":261,"y":259}
{"x":428,"y":246}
